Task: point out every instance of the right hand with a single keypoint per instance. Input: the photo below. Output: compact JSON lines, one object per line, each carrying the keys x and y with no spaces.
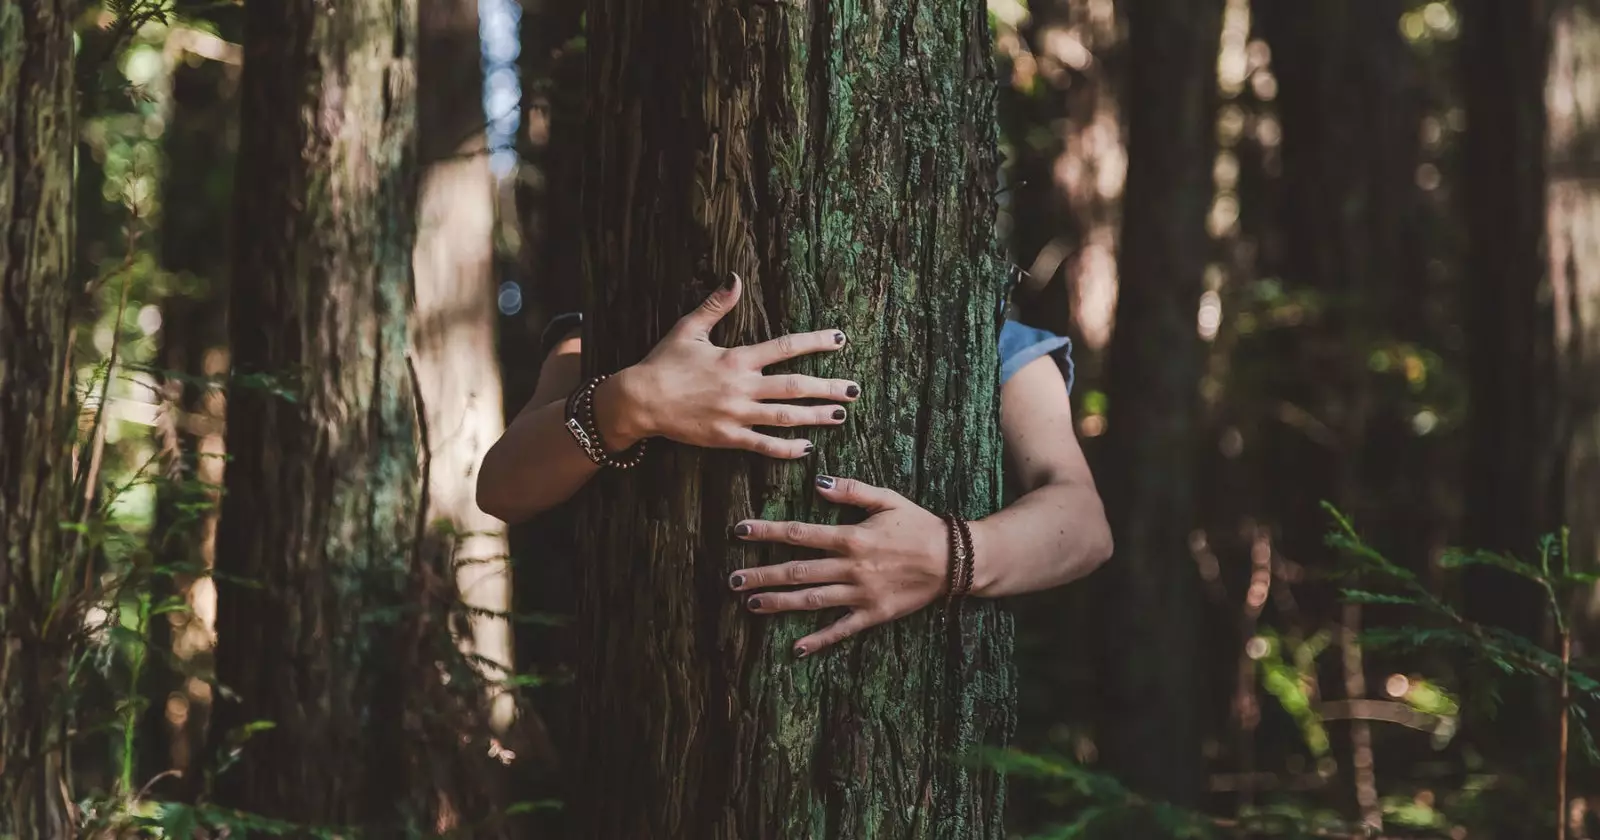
{"x":694,"y":392}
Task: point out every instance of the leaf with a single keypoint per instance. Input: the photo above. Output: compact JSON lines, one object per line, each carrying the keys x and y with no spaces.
{"x":533,"y":806}
{"x":1360,"y":596}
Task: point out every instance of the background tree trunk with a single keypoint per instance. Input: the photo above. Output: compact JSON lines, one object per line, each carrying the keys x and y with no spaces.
{"x":329,"y":613}
{"x":1353,"y":250}
{"x":1151,"y":722}
{"x":457,"y":371}
{"x":1512,"y":494}
{"x":1572,"y":216}
{"x":40,"y":601}
{"x":201,"y":140}
{"x":842,"y":160}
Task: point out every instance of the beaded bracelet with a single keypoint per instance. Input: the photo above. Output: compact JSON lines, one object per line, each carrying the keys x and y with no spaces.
{"x":586,"y":430}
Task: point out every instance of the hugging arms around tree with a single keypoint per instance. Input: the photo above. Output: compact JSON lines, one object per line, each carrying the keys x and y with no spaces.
{"x":891,"y":564}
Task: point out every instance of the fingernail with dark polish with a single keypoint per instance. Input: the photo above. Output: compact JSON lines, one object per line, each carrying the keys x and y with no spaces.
{"x":852,"y":392}
{"x":808,"y":448}
{"x":800,"y":652}
{"x":826,"y":482}
{"x":838,"y":338}
{"x":754,"y":603}
{"x":838,"y":414}
{"x":742,"y":529}
{"x":736,"y":581}
{"x":727,"y":283}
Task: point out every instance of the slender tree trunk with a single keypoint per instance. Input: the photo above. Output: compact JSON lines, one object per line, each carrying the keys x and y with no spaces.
{"x":1351,"y":127}
{"x":40,"y":598}
{"x":1572,"y":216}
{"x":201,"y":137}
{"x":1151,"y":722}
{"x":457,"y":371}
{"x":1513,"y":449}
{"x":841,"y":159}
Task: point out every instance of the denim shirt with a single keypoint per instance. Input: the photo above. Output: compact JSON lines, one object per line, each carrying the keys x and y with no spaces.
{"x":1019,"y":345}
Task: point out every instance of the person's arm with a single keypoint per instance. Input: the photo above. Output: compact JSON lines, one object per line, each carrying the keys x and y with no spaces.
{"x":538,"y":440}
{"x":687,"y":390}
{"x":897,"y":561}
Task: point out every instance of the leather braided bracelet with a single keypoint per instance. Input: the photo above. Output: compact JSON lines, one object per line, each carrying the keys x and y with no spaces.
{"x":586,"y":431}
{"x":961,"y":558}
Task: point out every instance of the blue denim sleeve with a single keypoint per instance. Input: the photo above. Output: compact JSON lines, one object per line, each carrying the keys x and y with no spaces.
{"x":554,"y":331}
{"x":1021,"y":344}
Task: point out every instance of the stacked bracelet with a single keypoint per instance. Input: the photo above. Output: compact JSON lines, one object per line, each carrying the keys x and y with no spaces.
{"x":586,"y":431}
{"x":961,"y":557}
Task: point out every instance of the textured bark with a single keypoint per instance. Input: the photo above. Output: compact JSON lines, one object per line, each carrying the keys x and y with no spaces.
{"x":40,"y":602}
{"x":1150,"y":723}
{"x":458,"y":376}
{"x":200,"y":140}
{"x":841,"y":159}
{"x":320,"y":582}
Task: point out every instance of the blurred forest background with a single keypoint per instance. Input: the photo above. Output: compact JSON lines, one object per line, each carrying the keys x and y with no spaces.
{"x":1391,"y":310}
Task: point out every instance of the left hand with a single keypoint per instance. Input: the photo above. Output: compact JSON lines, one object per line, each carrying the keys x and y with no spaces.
{"x":893,"y":564}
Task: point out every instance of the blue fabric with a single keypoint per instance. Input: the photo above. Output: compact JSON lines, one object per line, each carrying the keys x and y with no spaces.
{"x":1021,"y":344}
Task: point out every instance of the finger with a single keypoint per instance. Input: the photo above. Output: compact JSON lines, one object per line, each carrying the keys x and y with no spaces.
{"x":827,"y":537}
{"x":789,"y":346}
{"x":772,"y":447}
{"x":788,"y":416}
{"x":698,"y":324}
{"x":797,"y":573}
{"x":794,"y":386}
{"x":834,"y":633}
{"x":809,"y":600}
{"x":848,"y":491}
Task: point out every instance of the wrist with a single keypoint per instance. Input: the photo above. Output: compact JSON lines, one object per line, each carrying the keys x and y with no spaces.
{"x":983,"y":567}
{"x":620,"y":412}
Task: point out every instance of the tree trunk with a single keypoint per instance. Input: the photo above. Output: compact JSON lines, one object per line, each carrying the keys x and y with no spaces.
{"x":328,"y":604}
{"x":1151,"y":723}
{"x":200,"y":142}
{"x":457,"y":372}
{"x":1352,"y":234}
{"x":40,"y":601}
{"x":1573,"y":217}
{"x":841,"y":159}
{"x":1509,"y":500}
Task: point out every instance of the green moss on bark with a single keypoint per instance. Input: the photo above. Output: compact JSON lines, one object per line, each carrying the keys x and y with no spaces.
{"x":841,"y":159}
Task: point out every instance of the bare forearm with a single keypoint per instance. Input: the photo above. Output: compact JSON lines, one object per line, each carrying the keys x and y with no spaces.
{"x":537,"y":465}
{"x":1051,"y":536}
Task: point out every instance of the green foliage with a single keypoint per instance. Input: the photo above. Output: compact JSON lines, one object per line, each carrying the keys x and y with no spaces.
{"x":1290,"y":680}
{"x":1093,"y":804}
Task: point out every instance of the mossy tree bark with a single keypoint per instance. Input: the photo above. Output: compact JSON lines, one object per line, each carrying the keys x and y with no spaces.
{"x":40,"y":602}
{"x":1151,"y":723}
{"x":329,"y":608}
{"x":842,"y":160}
